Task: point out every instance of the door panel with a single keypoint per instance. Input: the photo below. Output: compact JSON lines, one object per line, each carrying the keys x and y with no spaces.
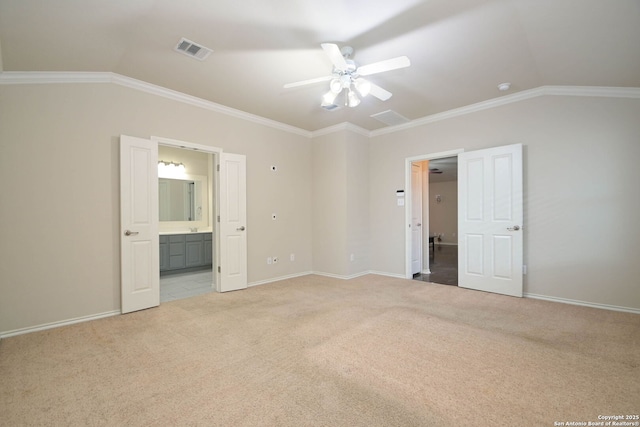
{"x":474,"y":255}
{"x":139,"y":239}
{"x":233,"y":222}
{"x":490,"y":220}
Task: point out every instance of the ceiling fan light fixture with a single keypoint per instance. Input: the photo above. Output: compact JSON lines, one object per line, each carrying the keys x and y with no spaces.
{"x":345,"y":77}
{"x":353,"y":100}
{"x":329,"y":97}
{"x":363,"y":87}
{"x":335,"y":86}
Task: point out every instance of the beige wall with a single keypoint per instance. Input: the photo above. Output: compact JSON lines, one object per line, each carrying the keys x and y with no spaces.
{"x":582,"y":237}
{"x":334,"y":195}
{"x":443,"y":216}
{"x":341,"y":204}
{"x":330,"y":252}
{"x":357,"y":185}
{"x":59,"y":216}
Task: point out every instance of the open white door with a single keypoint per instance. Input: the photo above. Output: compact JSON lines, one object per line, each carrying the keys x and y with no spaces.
{"x":490,"y":216}
{"x":139,"y":239}
{"x":233,"y":221}
{"x":416,"y":218}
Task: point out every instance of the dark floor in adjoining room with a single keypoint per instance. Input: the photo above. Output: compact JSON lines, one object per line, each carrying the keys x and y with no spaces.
{"x":443,"y":264}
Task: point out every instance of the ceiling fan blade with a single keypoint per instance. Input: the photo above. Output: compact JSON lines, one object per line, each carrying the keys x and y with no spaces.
{"x":386,"y":65}
{"x":334,"y":54}
{"x":379,"y":93}
{"x":308,"y":82}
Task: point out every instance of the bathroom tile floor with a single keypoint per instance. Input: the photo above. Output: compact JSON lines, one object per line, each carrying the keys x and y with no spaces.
{"x":443,"y":263}
{"x":185,"y":285}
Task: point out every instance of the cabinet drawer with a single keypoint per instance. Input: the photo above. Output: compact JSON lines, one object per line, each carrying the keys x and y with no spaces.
{"x":176,"y":238}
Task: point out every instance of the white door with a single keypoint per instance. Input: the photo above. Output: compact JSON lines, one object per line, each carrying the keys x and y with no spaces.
{"x":139,"y":240}
{"x":490,"y":218}
{"x":416,"y":218}
{"x":233,"y":223}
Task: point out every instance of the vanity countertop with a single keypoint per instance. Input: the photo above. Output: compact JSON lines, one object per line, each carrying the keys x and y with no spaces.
{"x":172,"y":232}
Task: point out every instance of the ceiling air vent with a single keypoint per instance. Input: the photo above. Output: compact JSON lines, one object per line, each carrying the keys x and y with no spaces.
{"x":192,"y":49}
{"x":390,"y":118}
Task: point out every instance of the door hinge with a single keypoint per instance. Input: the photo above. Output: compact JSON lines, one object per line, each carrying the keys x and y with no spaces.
{"x":219,"y":270}
{"x":218,"y":218}
{"x":218,"y":168}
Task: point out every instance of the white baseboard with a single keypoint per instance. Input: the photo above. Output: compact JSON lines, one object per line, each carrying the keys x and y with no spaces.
{"x":384,"y":273}
{"x":583,"y":303}
{"x":276,"y":279}
{"x":52,"y":325}
{"x":363,"y":273}
{"x":339,"y":276}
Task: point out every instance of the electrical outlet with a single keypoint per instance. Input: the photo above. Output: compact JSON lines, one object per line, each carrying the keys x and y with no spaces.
{"x":269,"y":260}
{"x":352,"y":258}
{"x":275,"y":259}
{"x":292,"y":257}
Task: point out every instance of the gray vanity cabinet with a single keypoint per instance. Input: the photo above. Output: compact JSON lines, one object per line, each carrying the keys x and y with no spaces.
{"x":179,"y":251}
{"x":194,"y":250}
{"x":176,"y":251}
{"x":208,"y":248}
{"x":164,"y":253}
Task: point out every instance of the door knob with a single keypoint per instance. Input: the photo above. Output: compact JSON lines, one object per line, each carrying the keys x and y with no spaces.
{"x":240,"y":228}
{"x":130,"y":233}
{"x":514,"y":228}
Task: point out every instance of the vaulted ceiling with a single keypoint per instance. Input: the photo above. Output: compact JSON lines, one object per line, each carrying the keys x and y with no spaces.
{"x":460,"y":50}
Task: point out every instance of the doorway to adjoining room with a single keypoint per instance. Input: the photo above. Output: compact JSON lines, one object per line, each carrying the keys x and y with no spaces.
{"x":186,"y":212}
{"x":440,"y":203}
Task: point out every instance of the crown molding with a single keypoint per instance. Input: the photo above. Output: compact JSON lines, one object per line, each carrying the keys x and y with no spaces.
{"x":52,"y":77}
{"x":34,"y":77}
{"x":344,"y":126}
{"x":593,"y":91}
{"x":596,"y":91}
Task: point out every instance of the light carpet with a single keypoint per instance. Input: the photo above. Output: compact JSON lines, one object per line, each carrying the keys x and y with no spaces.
{"x":318,"y":351}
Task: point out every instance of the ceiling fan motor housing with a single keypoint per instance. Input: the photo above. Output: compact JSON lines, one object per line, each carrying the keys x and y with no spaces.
{"x":346,"y":51}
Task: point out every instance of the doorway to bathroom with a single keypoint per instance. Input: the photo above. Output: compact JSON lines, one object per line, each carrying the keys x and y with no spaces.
{"x":187,"y":208}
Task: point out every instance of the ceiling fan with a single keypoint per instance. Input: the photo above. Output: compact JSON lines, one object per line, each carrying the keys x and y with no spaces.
{"x":347,"y":77}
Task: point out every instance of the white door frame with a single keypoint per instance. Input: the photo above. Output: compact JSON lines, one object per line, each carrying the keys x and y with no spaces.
{"x":408,"y":199}
{"x":213,"y":213}
{"x":417,"y":221}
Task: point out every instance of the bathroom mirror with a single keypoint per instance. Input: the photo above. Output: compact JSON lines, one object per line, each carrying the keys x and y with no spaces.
{"x":181,"y":199}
